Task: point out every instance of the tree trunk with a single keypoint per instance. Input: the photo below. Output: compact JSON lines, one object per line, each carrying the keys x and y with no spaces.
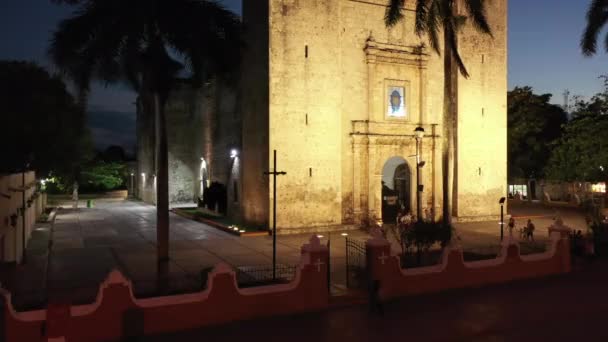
{"x":446,"y":139}
{"x":449,"y":155}
{"x":162,"y":182}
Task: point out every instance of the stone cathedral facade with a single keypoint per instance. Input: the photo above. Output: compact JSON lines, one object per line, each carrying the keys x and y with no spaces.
{"x":339,"y":95}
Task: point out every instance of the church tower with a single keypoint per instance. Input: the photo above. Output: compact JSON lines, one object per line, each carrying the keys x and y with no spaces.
{"x":339,"y":96}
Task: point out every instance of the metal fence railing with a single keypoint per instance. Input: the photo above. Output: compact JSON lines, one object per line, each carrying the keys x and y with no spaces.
{"x":252,"y":276}
{"x":356,"y":264}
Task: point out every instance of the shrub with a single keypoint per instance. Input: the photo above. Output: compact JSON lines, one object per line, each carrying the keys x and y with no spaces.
{"x":420,"y":236}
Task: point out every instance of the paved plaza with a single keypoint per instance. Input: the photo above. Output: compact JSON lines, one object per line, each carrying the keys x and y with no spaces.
{"x":68,"y":260}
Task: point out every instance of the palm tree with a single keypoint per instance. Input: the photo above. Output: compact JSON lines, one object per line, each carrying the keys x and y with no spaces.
{"x":432,"y":18}
{"x":148,"y":44}
{"x":597,"y":18}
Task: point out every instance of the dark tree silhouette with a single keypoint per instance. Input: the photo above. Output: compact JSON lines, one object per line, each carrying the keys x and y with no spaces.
{"x":147,"y":43}
{"x":41,"y":124}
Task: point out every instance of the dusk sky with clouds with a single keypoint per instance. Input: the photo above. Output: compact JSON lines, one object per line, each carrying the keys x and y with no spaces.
{"x":543,"y":53}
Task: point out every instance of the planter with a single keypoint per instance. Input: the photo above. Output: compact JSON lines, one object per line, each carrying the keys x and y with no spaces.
{"x":227,"y":229}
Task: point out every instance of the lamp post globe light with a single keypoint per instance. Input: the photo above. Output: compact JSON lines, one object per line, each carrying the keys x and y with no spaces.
{"x":419,"y":133}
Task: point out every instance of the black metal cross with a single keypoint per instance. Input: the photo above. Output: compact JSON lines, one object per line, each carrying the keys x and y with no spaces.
{"x":274,"y":174}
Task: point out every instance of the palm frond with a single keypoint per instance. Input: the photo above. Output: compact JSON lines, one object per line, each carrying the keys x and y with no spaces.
{"x":452,"y":42}
{"x":476,"y":10}
{"x":432,"y":26}
{"x":422,"y":13}
{"x":597,"y":17}
{"x":393,"y":13}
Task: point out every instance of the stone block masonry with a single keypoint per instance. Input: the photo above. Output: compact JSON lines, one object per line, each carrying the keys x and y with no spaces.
{"x":322,"y":73}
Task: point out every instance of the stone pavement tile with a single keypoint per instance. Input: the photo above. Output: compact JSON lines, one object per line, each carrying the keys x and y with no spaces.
{"x":67,"y":228}
{"x":281,"y":248}
{"x":194,"y":267}
{"x":247,"y":259}
{"x":183,"y":245}
{"x":190,"y":254}
{"x":98,"y":231}
{"x":68,"y":243}
{"x":101,"y":241}
{"x":224,"y":246}
{"x":138,"y":268}
{"x":59,"y":235}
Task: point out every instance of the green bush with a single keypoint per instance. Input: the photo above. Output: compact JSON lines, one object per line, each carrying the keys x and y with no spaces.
{"x":102,"y":176}
{"x":419,"y":237}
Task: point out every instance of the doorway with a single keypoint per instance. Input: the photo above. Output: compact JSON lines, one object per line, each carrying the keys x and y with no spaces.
{"x":396,"y":188}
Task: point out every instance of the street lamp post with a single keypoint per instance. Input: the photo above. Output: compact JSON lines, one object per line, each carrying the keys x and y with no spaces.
{"x":419,"y":132}
{"x":502,"y":220}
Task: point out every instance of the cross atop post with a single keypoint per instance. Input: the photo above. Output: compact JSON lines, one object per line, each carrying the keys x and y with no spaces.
{"x":383,"y":258}
{"x":319,"y":263}
{"x":274,"y":174}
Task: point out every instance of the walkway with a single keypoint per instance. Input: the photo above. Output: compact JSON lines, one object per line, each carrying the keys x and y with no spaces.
{"x":87,"y":243}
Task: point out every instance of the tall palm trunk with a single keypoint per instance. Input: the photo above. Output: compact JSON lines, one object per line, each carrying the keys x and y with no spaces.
{"x":162,"y":181}
{"x":450,"y":121}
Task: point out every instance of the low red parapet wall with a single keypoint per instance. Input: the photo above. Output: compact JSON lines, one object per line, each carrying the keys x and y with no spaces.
{"x":117,"y":314}
{"x":454,"y":273}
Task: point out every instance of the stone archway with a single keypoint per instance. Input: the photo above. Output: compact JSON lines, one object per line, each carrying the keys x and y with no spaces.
{"x":396,"y":188}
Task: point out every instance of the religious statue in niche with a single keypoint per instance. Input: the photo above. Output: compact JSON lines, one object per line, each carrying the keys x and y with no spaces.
{"x":396,"y":102}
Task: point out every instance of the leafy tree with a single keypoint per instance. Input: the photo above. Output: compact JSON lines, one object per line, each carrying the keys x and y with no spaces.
{"x":102,"y":176}
{"x":114,"y":154}
{"x":582,"y":152}
{"x":41,"y":123}
{"x":432,"y":18}
{"x":148,"y":43}
{"x":533,"y":125}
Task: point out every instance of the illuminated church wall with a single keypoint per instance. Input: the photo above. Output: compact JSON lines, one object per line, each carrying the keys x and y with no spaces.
{"x":337,"y":94}
{"x":203,"y":126}
{"x":332,"y":68}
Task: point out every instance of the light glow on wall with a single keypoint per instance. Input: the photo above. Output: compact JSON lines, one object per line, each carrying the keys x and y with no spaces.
{"x":599,"y":187}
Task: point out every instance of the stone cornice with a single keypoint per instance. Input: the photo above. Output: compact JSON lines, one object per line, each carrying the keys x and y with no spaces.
{"x":390,"y":128}
{"x":409,"y":5}
{"x":377,"y":52}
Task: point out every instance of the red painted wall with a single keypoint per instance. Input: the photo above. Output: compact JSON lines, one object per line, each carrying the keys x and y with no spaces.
{"x":116,"y":314}
{"x":453,"y":272}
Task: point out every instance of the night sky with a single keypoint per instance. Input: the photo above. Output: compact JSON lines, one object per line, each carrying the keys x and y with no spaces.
{"x":543,"y":53}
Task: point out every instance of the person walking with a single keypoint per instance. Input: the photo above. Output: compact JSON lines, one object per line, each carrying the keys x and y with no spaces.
{"x":75,"y":195}
{"x":530,"y":230}
{"x":511,"y":226}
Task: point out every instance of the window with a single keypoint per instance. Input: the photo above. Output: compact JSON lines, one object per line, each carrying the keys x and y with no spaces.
{"x":518,"y":189}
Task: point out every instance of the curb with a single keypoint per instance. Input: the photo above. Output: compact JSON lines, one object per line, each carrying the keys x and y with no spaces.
{"x":218,"y":225}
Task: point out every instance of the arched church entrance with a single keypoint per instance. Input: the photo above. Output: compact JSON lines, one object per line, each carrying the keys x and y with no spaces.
{"x":396,"y":188}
